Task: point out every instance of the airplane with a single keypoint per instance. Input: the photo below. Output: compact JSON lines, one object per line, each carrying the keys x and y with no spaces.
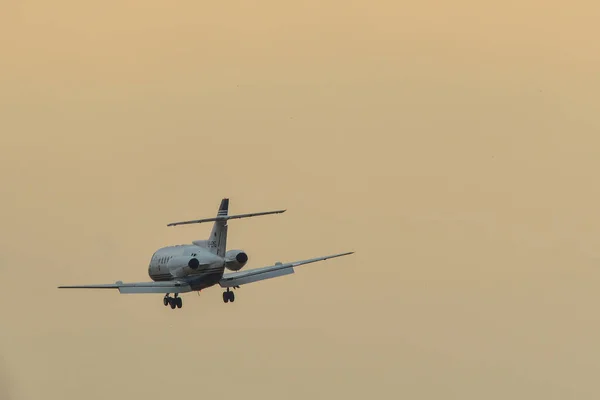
{"x":194,"y":267}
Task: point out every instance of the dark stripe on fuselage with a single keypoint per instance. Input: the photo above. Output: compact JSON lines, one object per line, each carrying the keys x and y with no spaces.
{"x":169,"y":277}
{"x":198,"y":281}
{"x":197,"y":272}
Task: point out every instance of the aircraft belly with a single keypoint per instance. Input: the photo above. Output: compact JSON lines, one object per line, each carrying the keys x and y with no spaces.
{"x":205,"y":279}
{"x":198,"y":281}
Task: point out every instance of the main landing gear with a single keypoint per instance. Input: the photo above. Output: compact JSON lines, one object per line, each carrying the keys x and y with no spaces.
{"x":228,"y":296}
{"x":173,"y":301}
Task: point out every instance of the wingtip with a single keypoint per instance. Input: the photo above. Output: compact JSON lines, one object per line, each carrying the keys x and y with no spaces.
{"x":342,"y":254}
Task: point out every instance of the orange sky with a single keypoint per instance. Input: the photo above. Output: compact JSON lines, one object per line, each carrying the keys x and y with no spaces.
{"x":453,"y":146}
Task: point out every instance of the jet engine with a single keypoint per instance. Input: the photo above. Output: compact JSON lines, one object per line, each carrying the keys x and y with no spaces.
{"x":235,"y":259}
{"x":182,"y":265}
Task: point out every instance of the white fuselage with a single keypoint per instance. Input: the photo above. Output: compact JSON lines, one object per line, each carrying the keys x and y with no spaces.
{"x":180,"y":261}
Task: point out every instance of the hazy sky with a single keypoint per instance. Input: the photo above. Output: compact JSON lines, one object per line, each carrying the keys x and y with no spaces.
{"x":452,"y":145}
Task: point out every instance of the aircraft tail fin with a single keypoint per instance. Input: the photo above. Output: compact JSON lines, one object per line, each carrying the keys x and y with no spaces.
{"x":217,"y":241}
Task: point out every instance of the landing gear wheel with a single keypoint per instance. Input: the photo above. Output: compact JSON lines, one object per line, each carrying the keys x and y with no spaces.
{"x":172,"y":303}
{"x":179,"y":302}
{"x":166,"y":301}
{"x":228,"y":297}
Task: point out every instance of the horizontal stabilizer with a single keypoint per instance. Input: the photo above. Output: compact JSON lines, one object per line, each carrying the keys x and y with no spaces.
{"x":225,"y":217}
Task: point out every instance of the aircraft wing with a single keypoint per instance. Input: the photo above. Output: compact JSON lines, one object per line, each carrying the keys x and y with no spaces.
{"x":176,"y":286}
{"x":273,"y":271}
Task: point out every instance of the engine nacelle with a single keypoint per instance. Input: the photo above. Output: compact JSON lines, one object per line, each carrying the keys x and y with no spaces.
{"x":235,"y":259}
{"x":182,"y":265}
